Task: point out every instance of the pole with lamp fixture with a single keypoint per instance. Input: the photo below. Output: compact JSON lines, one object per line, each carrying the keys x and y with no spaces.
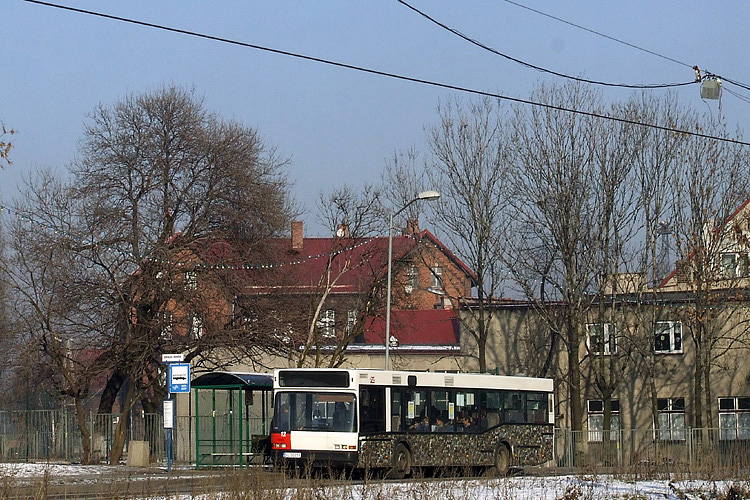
{"x":424,"y":195}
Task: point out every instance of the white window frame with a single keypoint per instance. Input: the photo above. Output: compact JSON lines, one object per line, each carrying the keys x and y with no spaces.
{"x":669,"y":328}
{"x":167,"y":325}
{"x":191,"y":280}
{"x":609,"y":338}
{"x":734,"y":418}
{"x":436,"y":277}
{"x":327,"y":323}
{"x":734,"y":265}
{"x":351,"y":320}
{"x":412,"y":278}
{"x":671,"y":413}
{"x":595,"y":420}
{"x":196,"y":326}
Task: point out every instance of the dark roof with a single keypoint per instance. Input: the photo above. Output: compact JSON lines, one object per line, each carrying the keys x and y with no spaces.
{"x":234,"y":379}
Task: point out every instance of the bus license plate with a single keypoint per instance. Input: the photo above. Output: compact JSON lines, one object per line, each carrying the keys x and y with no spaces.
{"x":292,"y":454}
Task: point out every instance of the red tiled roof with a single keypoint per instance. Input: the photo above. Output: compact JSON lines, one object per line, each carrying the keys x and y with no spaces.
{"x":282,"y":267}
{"x":434,"y":327}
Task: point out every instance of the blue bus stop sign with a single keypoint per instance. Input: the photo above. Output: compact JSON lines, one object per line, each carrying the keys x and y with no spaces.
{"x":178,"y":375}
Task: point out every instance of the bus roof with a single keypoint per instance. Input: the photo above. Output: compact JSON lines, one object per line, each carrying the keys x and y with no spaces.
{"x":360,"y":377}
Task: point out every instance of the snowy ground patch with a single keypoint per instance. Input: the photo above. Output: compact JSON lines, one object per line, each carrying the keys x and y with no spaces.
{"x":568,"y":487}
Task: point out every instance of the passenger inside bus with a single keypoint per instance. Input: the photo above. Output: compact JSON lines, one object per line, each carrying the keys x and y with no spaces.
{"x":440,"y":425}
{"x":467,"y":425}
{"x":421,"y":425}
{"x":482,"y":421}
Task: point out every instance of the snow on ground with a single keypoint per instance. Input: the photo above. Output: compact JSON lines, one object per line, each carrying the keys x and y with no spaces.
{"x":38,"y":470}
{"x":568,"y":487}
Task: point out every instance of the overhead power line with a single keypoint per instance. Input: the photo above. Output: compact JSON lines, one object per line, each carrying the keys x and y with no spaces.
{"x":600,"y":34}
{"x":743,"y":85}
{"x":387,"y":74}
{"x":623,"y":42}
{"x":539,"y":68}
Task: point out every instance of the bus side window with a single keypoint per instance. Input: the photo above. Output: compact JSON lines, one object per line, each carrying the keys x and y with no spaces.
{"x":514,"y":408}
{"x":536,"y":408}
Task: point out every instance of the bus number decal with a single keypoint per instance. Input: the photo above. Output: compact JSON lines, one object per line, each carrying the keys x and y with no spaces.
{"x":372,"y":380}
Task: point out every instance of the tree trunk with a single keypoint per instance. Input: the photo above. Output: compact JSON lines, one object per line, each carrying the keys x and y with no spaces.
{"x":121,"y":429}
{"x":698,"y":391}
{"x":574,"y":378}
{"x":482,"y":341}
{"x":118,"y":440}
{"x":85,"y":432}
{"x":109,"y":395}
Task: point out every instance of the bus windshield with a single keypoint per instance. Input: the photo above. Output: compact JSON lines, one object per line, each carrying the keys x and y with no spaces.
{"x":315,"y":411}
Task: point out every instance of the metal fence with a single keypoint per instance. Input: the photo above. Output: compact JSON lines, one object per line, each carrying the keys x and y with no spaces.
{"x":690,"y":449}
{"x":53,"y":435}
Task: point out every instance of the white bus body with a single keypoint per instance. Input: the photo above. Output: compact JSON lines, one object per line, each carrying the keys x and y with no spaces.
{"x":396,"y":420}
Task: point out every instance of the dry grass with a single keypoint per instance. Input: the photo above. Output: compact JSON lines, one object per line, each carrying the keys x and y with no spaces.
{"x":254,"y":484}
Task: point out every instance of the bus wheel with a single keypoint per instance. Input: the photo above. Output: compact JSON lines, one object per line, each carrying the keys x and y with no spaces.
{"x":502,"y":462}
{"x":401,"y":462}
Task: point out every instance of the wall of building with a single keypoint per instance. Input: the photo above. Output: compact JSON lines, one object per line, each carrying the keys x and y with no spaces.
{"x":520,"y":342}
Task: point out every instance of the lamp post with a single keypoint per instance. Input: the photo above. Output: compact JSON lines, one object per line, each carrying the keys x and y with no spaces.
{"x":424,"y":195}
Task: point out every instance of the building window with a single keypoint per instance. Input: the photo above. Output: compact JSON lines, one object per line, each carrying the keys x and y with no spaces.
{"x":351,"y":320}
{"x":734,"y":265}
{"x":437,"y":278}
{"x":412,"y":279}
{"x":596,"y":420}
{"x":601,"y":338}
{"x":191,"y":280}
{"x":327,"y":323}
{"x":166,"y":325}
{"x":196,"y":327}
{"x":668,"y":337}
{"x":734,"y":418}
{"x":671,"y":419}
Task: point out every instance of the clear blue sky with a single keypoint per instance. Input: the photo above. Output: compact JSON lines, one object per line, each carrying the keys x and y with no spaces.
{"x":338,"y":125}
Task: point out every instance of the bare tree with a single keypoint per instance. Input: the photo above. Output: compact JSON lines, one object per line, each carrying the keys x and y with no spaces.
{"x":467,"y":166}
{"x":555,"y":240}
{"x":158,"y":181}
{"x":351,"y":217}
{"x":403,"y":177}
{"x":710,"y":183}
{"x":5,"y":147}
{"x":615,"y":201}
{"x":52,"y":303}
{"x":655,"y":158}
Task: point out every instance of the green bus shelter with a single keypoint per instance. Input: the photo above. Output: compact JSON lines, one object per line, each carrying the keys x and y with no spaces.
{"x":232,"y":418}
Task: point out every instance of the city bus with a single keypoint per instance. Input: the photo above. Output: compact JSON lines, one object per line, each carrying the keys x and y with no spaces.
{"x":395,"y":421}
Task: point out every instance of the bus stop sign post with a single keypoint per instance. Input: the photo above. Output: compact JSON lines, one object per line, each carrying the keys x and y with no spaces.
{"x":178,"y":381}
{"x":168,"y":425}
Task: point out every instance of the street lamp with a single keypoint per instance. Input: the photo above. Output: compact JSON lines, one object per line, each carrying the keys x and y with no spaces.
{"x":424,"y":195}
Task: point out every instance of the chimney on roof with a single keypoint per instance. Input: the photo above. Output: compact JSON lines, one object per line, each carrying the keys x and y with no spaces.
{"x":342,"y":231}
{"x":412,"y":227}
{"x":297,"y":235}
